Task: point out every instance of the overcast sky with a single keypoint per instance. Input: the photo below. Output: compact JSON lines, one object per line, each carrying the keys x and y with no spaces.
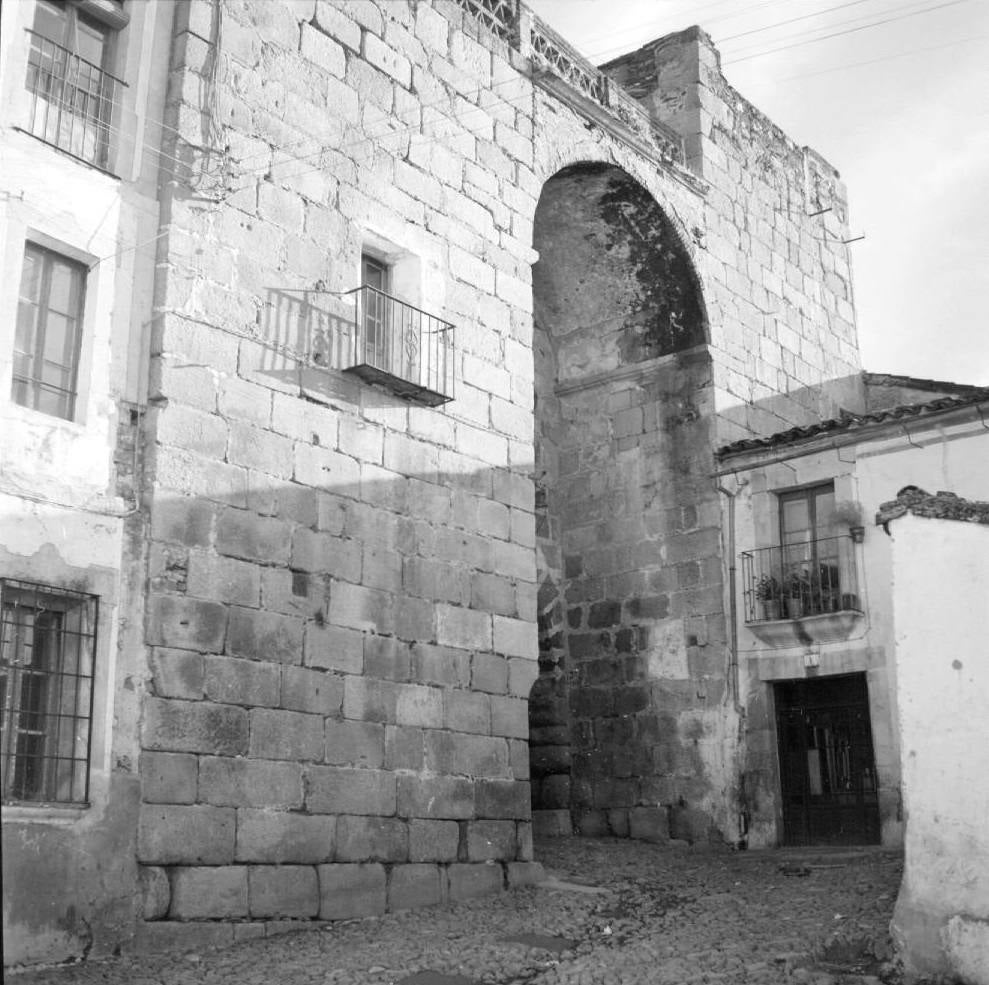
{"x":900,"y":108}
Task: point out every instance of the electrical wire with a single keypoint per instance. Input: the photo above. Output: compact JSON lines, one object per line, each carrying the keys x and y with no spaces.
{"x":598,"y":53}
{"x":793,"y":20}
{"x":122,"y":136}
{"x":871,"y":61}
{"x":403,"y":131}
{"x":838,"y":34}
{"x":749,"y":48}
{"x":411,"y":127}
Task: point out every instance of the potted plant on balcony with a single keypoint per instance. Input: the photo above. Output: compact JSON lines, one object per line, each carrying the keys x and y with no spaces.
{"x":796,"y":594}
{"x":768,"y":592}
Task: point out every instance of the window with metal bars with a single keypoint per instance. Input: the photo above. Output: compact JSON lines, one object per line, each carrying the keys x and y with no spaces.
{"x":47,"y":656}
{"x":73,"y":93}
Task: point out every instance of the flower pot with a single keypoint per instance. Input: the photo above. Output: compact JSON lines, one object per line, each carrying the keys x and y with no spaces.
{"x":771,"y":609}
{"x":794,"y":608}
{"x":849,"y":601}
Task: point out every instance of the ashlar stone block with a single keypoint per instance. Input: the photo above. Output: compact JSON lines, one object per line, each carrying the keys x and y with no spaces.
{"x":312,"y":691}
{"x":242,"y":534}
{"x":350,"y":791}
{"x":502,"y":799}
{"x":378,"y":839}
{"x":411,"y":886}
{"x":168,"y":778}
{"x":237,"y":782}
{"x":260,"y":635}
{"x":435,"y":797}
{"x":194,"y":726}
{"x":280,"y":837}
{"x":283,"y":891}
{"x":491,"y":840}
{"x":348,"y":891}
{"x":404,"y":748}
{"x":465,"y":628}
{"x":185,"y":835}
{"x":208,"y":892}
{"x":351,"y":743}
{"x":233,"y":680}
{"x":294,"y":735}
{"x":333,"y":648}
{"x":433,"y":841}
{"x":468,"y":881}
{"x":186,"y":624}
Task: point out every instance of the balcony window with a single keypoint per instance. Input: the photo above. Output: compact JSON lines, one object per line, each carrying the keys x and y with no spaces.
{"x":397,"y":345}
{"x":72,"y":91}
{"x":47,"y":653}
{"x":808,"y":578}
{"x":49,"y":330}
{"x":778,"y":586}
{"x":377,"y":276}
{"x":809,"y":550}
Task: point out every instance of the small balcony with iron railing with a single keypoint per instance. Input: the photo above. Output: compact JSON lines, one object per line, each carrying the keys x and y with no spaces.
{"x":802,"y":592}
{"x":71,"y":101}
{"x":401,"y":347}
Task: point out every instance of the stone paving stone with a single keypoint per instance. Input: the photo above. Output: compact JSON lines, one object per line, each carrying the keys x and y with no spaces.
{"x":636,"y":913}
{"x":543,"y":941}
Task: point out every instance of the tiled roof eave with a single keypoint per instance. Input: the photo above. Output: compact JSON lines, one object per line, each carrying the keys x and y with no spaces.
{"x":851,"y":430}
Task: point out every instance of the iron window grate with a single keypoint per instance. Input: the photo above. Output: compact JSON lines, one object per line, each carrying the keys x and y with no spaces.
{"x":72,"y":101}
{"x":47,"y":656}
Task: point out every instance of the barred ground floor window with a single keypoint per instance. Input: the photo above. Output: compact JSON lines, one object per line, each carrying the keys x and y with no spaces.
{"x":47,"y":657}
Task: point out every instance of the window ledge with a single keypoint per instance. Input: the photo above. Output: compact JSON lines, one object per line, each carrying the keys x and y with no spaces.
{"x":827,"y":627}
{"x":68,"y":155}
{"x":56,"y":814}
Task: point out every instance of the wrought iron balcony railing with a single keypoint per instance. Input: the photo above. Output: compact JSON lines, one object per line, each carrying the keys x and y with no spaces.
{"x":402,"y":348}
{"x":72,"y":101}
{"x":809,"y":578}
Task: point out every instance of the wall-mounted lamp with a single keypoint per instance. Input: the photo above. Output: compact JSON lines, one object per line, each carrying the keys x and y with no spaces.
{"x":857,"y":534}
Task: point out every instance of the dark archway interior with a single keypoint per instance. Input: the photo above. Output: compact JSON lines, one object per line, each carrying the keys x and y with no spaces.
{"x":623,"y":445}
{"x":613,"y":284}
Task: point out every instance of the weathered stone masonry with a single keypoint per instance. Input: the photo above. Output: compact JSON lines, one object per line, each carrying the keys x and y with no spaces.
{"x":342,"y":609}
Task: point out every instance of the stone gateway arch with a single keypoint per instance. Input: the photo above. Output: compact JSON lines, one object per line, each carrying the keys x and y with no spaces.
{"x":363,"y":621}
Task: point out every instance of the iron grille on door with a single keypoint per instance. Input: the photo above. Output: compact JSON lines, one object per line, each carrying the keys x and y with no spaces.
{"x":47,"y":653}
{"x":827,"y":766}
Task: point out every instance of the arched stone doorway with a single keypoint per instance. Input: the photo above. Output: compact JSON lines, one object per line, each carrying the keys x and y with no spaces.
{"x":627,"y":515}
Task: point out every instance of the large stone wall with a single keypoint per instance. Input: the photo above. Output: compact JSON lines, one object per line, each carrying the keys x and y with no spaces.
{"x":342,"y":630}
{"x":342,"y":613}
{"x":778,"y":278}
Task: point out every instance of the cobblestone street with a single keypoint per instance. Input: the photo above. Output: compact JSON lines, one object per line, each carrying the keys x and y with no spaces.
{"x":609,"y":911}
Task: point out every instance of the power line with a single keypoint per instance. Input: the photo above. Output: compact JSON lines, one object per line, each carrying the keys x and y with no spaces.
{"x":792,"y":20}
{"x":750,"y":48}
{"x":413,"y":129}
{"x":838,"y":34}
{"x":410,"y":127}
{"x":874,"y":61}
{"x":595,"y":54}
